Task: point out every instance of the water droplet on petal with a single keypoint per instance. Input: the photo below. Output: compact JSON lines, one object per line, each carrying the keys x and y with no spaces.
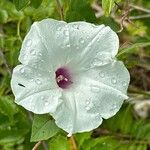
{"x":32,"y":52}
{"x":87,"y":108}
{"x":66,"y":32}
{"x":39,"y":75}
{"x":42,"y":97}
{"x":68,"y":45}
{"x":46,"y":103}
{"x":81,"y":40}
{"x":38,"y":81}
{"x":97,"y":115}
{"x":22,"y":70}
{"x":120,"y":96}
{"x":28,"y":43}
{"x":102,"y":74}
{"x":75,"y":26}
{"x":124,"y":83}
{"x":32,"y":106}
{"x":114,"y":106}
{"x":32,"y":80}
{"x":87,"y":102}
{"x":113,"y":81}
{"x":40,"y":54}
{"x":95,"y":88}
{"x":59,"y":28}
{"x":69,"y":135}
{"x":77,"y":47}
{"x":97,"y":62}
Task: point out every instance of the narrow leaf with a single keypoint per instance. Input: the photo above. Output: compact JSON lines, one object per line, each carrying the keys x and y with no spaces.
{"x":107,"y":6}
{"x":128,"y":49}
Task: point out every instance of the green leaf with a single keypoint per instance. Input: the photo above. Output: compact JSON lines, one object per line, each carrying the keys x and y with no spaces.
{"x":36,"y":3}
{"x":8,"y":107}
{"x":81,"y":137}
{"x":80,"y":10}
{"x":43,"y":128}
{"x":130,"y":48}
{"x":20,"y":4}
{"x":59,"y":143}
{"x":3,"y":16}
{"x":107,"y":6}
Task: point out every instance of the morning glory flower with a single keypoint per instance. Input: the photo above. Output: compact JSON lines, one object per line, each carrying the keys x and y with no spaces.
{"x":70,"y":71}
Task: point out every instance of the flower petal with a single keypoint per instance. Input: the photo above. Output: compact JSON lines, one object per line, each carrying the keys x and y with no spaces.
{"x":72,"y":115}
{"x":90,"y":43}
{"x":55,"y":37}
{"x":35,"y":90}
{"x":73,"y":44}
{"x":92,"y":98}
{"x":112,"y":80}
{"x":33,"y":51}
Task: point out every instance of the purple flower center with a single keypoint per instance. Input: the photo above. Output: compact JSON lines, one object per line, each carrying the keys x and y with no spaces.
{"x":63,"y":78}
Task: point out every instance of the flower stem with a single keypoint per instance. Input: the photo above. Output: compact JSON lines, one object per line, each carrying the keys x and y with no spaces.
{"x":37,"y":145}
{"x":18,"y":30}
{"x":73,"y":143}
{"x":61,"y":10}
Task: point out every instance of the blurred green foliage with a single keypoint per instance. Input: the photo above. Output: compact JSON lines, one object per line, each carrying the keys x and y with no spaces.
{"x":124,"y":131}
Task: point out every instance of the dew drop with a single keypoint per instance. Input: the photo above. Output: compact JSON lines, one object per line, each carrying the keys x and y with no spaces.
{"x":97,"y":115}
{"x":124,"y":83}
{"x":68,"y":45}
{"x":97,"y":62}
{"x":40,"y":54}
{"x":87,"y":108}
{"x":28,"y":43}
{"x":81,"y":40}
{"x":32,"y":80}
{"x":76,"y":26}
{"x":22,"y":70}
{"x":77,"y":47}
{"x":38,"y":81}
{"x":39,"y":75}
{"x":66,"y":32}
{"x":113,"y":107}
{"x":120,"y":97}
{"x":59,"y":28}
{"x":87,"y":102}
{"x":101,"y":74}
{"x":113,"y":81}
{"x":32,"y":52}
{"x":95,"y":89}
{"x":42,"y":97}
{"x":32,"y":106}
{"x":46,"y":103}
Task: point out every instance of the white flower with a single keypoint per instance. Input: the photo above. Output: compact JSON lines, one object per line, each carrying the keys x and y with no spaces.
{"x":69,"y":70}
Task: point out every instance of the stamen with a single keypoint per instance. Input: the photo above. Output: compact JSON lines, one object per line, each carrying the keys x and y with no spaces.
{"x":63,"y":78}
